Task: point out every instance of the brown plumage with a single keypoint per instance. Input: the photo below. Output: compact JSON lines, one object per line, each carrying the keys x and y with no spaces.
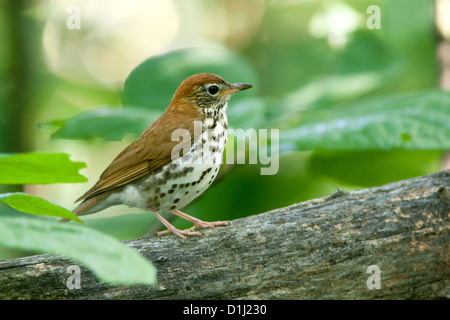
{"x":151,"y":152}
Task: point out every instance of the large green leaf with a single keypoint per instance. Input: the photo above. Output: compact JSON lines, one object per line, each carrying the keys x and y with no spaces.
{"x":247,"y":113}
{"x":106,"y":122}
{"x":39,"y":168}
{"x":419,"y":121}
{"x":34,"y":205}
{"x":373,"y":168}
{"x":365,"y":64}
{"x":110,"y":260}
{"x":153,"y":83}
{"x":113,"y":123}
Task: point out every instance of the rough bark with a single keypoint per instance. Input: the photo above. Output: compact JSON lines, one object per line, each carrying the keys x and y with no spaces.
{"x":318,"y":249}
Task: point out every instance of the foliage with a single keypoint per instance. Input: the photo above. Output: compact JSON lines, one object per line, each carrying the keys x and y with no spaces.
{"x":357,"y":115}
{"x":418,"y":121}
{"x":103,"y":254}
{"x":39,"y":168}
{"x":30,"y":204}
{"x":360,"y":113}
{"x":111,"y":261}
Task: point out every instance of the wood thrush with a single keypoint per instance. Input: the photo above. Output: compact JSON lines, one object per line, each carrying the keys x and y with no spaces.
{"x":161,"y":173}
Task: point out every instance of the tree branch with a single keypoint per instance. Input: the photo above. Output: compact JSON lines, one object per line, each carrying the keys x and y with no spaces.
{"x":318,"y":249}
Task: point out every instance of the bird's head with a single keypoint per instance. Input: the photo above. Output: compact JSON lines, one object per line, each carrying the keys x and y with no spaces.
{"x":205,"y":91}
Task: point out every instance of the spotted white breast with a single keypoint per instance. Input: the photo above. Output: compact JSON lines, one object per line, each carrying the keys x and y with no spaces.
{"x":178,"y":183}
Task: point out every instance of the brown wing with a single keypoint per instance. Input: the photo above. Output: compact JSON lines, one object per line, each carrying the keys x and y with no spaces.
{"x":151,"y":151}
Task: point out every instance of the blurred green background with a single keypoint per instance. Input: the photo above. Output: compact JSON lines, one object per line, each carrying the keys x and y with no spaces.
{"x":356,"y":107}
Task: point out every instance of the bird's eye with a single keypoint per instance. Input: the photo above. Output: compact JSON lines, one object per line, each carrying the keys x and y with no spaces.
{"x":213,"y":89}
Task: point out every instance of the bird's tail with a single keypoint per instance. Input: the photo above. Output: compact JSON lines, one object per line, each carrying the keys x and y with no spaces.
{"x":83,"y":208}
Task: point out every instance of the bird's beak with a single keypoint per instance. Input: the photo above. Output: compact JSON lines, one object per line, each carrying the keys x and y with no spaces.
{"x":235,"y":87}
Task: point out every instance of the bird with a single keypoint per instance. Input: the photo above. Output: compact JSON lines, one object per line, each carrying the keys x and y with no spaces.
{"x":163,"y":172}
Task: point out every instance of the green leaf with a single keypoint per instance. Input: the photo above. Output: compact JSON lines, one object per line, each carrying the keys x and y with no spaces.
{"x":39,"y":168}
{"x":374,"y":168}
{"x":106,"y":122}
{"x":327,"y":90}
{"x":149,"y":88}
{"x":153,"y":83}
{"x":419,"y":121}
{"x":111,"y":261}
{"x":113,"y":123}
{"x":34,"y":205}
{"x":247,"y":113}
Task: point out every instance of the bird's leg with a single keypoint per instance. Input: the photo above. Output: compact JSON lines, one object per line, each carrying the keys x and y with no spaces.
{"x":199,"y":223}
{"x":171,"y":229}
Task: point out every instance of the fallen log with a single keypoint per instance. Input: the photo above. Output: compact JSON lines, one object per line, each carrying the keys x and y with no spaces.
{"x":387,"y":242}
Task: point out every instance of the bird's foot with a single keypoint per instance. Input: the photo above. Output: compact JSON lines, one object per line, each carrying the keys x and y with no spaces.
{"x":187,"y":232}
{"x":204,"y":224}
{"x":199,"y":223}
{"x":190,"y":232}
{"x":181,"y":233}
